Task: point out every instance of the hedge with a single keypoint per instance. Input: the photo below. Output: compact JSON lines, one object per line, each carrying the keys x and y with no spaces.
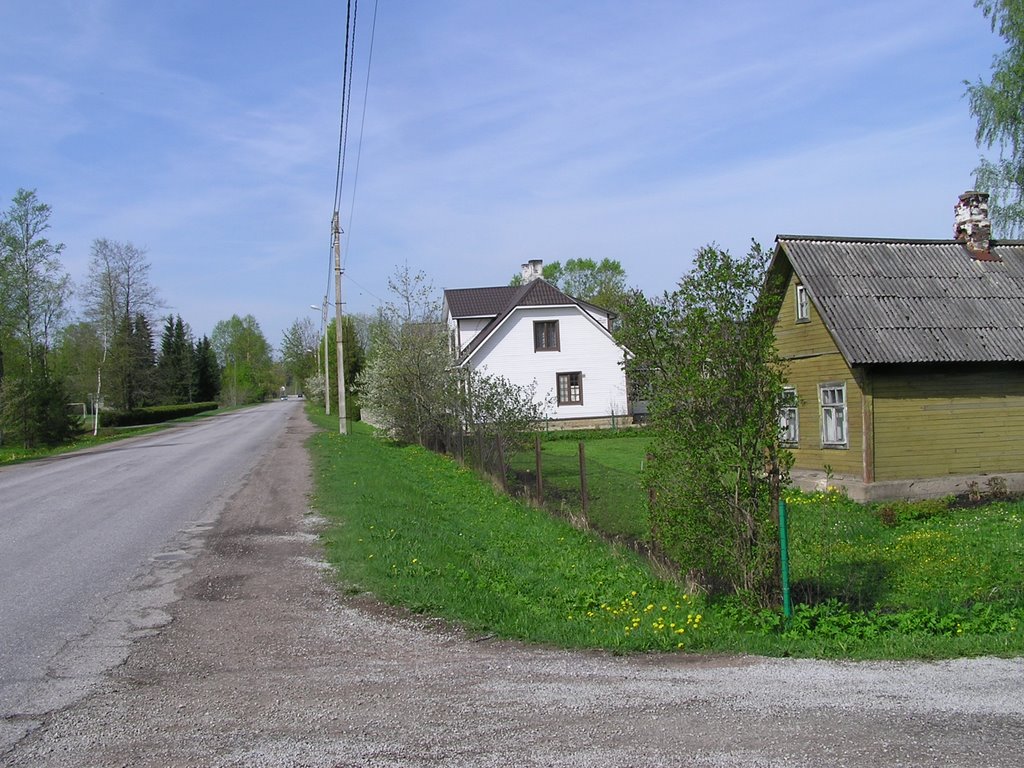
{"x":154,"y":414}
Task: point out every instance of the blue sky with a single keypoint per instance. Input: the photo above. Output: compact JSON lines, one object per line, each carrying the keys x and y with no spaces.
{"x":206,"y":132}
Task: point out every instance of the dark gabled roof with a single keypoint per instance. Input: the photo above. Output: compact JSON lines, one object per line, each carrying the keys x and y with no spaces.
{"x":479,"y":302}
{"x":913,"y":301}
{"x":486,"y":302}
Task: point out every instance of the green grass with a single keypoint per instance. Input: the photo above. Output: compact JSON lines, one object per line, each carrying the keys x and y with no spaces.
{"x":417,"y":530}
{"x":13,"y":454}
{"x":614,"y":461}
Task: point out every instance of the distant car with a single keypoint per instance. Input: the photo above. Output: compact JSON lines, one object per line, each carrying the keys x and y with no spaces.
{"x":284,"y":397}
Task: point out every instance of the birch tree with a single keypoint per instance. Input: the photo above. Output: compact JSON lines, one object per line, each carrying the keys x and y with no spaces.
{"x":117,"y":293}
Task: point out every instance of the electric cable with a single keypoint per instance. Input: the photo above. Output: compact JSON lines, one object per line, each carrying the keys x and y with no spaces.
{"x":362,"y":126}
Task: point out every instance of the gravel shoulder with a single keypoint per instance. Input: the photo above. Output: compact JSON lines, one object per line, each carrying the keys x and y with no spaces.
{"x":267,"y":662}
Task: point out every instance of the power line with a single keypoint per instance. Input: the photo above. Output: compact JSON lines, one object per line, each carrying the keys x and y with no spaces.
{"x":349,"y":37}
{"x":362,"y":125}
{"x":346,"y":91}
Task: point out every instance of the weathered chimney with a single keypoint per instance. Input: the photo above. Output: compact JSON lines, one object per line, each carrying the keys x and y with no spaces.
{"x":972,"y":226}
{"x":532,"y":269}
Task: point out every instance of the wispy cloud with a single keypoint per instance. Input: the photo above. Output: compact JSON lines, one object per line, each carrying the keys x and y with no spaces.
{"x":495,"y":132}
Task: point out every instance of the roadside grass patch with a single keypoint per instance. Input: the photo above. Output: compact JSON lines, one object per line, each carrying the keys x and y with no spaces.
{"x":12,"y":454}
{"x":921,"y":580}
{"x":416,"y":529}
{"x":614,"y":460}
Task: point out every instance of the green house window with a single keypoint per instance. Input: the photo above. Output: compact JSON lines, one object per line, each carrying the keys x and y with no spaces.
{"x":833,"y":415}
{"x":803,"y":305}
{"x":789,"y":418}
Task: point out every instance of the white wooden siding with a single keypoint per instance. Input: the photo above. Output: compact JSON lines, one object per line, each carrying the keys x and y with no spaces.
{"x":469,"y":328}
{"x":583,"y":347}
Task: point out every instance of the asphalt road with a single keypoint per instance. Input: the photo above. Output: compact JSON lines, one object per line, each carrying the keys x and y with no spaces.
{"x":91,"y":542}
{"x":271,"y":662}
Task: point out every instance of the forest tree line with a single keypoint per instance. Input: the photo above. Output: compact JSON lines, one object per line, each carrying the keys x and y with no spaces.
{"x":67,"y":348}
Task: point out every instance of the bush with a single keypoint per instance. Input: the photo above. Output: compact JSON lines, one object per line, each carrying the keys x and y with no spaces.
{"x":34,"y":411}
{"x":893,"y":513}
{"x":153,"y":415}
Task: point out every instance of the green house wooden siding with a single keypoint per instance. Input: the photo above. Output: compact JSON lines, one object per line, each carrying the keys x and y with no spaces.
{"x":931,"y":421}
{"x":814,"y":359}
{"x":904,"y":422}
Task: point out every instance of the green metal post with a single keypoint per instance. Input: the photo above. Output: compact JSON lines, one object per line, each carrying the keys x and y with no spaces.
{"x":787,"y":606}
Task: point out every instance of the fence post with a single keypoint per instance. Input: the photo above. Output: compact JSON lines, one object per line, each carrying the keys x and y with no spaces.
{"x":540,"y":477}
{"x":482,"y":463}
{"x":787,"y":605}
{"x":501,"y":463}
{"x":585,"y":502}
{"x":652,"y":495}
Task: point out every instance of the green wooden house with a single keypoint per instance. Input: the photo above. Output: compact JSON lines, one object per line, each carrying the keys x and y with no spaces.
{"x":905,"y":360}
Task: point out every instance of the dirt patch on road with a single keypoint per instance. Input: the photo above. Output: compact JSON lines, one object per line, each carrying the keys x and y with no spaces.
{"x":268,"y":663}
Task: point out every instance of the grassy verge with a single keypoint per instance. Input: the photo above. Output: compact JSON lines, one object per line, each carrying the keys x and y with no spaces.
{"x":417,"y":530}
{"x":13,"y":454}
{"x":614,"y":460}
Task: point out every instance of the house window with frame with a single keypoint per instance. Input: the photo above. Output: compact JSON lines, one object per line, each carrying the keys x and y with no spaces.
{"x":803,"y":305}
{"x":789,"y":418}
{"x":833,"y":415}
{"x":570,"y":388}
{"x":545,"y":336}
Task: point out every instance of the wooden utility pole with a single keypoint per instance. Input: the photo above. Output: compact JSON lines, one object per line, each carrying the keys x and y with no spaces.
{"x":336,"y":227}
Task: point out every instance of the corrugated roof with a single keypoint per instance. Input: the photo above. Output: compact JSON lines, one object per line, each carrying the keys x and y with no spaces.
{"x":914,"y":301}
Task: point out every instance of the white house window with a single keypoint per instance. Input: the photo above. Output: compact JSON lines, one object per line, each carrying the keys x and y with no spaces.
{"x":803,"y":306}
{"x":570,"y":388}
{"x":545,"y":336}
{"x":833,"y":415}
{"x":789,"y":418}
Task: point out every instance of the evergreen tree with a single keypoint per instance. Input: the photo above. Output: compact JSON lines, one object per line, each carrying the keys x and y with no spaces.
{"x":174,"y":368}
{"x":355,"y":360}
{"x":205,"y":372}
{"x":34,"y":408}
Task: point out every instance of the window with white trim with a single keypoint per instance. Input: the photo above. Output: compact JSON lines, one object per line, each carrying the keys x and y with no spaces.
{"x":833,"y":415}
{"x":789,"y":418}
{"x":803,"y":305}
{"x":570,"y":388}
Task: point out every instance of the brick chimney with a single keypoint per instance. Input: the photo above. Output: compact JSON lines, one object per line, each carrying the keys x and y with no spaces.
{"x":972,"y":226}
{"x":532,"y":269}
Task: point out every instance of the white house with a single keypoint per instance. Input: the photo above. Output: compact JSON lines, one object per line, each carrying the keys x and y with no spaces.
{"x":536,"y":333}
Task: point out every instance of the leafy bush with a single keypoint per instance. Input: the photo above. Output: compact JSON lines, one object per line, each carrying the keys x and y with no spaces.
{"x":893,"y":513}
{"x":153,"y":415}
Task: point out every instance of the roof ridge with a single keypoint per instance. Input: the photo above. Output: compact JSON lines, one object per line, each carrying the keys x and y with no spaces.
{"x":886,"y":240}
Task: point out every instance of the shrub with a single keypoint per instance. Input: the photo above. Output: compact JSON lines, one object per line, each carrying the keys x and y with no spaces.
{"x":153,"y":415}
{"x":893,"y":513}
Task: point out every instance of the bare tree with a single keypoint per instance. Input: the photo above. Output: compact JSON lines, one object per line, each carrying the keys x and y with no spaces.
{"x":117,"y":293}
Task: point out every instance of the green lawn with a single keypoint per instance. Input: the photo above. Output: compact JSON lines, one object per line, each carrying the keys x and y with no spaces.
{"x":615,"y":494}
{"x":419,"y":530}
